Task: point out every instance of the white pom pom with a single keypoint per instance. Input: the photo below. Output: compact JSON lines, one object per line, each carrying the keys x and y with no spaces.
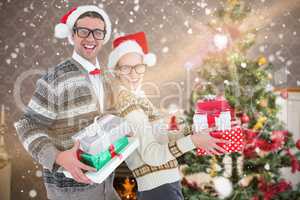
{"x":223,"y":187}
{"x":61,"y":31}
{"x":150,"y":59}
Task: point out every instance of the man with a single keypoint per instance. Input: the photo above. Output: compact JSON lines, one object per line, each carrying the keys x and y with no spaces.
{"x":67,"y":98}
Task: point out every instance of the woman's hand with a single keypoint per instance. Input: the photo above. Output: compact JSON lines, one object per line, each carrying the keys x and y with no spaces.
{"x":205,"y":141}
{"x":68,"y":160}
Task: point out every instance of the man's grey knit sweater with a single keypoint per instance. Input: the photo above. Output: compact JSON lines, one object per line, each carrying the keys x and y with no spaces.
{"x":64,"y":102}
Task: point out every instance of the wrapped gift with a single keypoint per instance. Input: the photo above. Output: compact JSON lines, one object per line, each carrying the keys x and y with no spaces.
{"x":213,"y":112}
{"x":110,"y":162}
{"x":235,"y":136}
{"x":99,"y":160}
{"x":98,"y":136}
{"x":216,"y":112}
{"x":104,"y":145}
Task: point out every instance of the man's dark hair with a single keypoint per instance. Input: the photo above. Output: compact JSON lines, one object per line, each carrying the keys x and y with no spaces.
{"x":91,"y":14}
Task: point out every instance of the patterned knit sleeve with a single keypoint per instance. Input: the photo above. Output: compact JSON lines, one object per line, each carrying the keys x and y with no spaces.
{"x":152,"y":152}
{"x":32,"y":127}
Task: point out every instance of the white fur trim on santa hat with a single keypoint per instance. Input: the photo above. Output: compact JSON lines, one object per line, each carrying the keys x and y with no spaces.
{"x":129,"y":46}
{"x":65,"y":30}
{"x":150,"y":59}
{"x":61,"y":31}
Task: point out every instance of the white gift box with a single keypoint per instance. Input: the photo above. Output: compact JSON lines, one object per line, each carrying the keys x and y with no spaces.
{"x":222,"y":122}
{"x":103,"y":173}
{"x":98,"y":136}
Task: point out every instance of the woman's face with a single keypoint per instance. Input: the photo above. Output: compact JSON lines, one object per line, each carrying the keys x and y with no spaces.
{"x":131,"y":70}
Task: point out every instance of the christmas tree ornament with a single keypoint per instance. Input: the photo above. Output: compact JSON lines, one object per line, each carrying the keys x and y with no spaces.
{"x":298,"y":144}
{"x":263,"y":103}
{"x":262,"y":61}
{"x":220,"y":41}
{"x":213,"y":166}
{"x":223,"y":187}
{"x":267,"y":167}
{"x":270,"y":77}
{"x":260,"y":123}
{"x":245,"y":118}
{"x":243,"y":65}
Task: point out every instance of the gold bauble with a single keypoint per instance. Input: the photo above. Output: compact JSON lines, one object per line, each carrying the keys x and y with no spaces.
{"x":262,"y":61}
{"x":263,"y":103}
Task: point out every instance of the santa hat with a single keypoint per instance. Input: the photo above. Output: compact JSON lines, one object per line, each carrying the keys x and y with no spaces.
{"x":67,"y":22}
{"x":133,"y":43}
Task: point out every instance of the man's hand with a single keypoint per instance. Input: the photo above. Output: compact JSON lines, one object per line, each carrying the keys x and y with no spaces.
{"x":205,"y":141}
{"x":68,"y":160}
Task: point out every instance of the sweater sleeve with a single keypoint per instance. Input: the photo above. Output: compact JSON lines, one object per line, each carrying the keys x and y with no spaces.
{"x":32,"y":127}
{"x":152,"y":152}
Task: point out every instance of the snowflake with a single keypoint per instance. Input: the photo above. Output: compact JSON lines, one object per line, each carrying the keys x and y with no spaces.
{"x":14,"y":55}
{"x":8,"y":61}
{"x":186,"y":23}
{"x":38,"y":173}
{"x":289,"y":62}
{"x":207,"y":11}
{"x":262,"y":48}
{"x":165,"y":50}
{"x":136,"y":8}
{"x":271,"y":58}
{"x":163,"y":40}
{"x":32,"y":193}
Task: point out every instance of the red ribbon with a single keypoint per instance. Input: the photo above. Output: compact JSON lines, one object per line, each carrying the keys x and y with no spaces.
{"x":113,"y":152}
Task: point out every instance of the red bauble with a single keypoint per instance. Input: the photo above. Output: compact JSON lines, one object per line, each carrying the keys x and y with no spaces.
{"x":298,"y":144}
{"x":245,"y":118}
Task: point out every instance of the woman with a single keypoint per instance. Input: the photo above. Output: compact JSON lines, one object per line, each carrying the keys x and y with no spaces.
{"x":154,"y":163}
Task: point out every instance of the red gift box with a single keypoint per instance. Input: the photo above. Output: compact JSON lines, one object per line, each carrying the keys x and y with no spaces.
{"x":213,"y":108}
{"x":235,"y":136}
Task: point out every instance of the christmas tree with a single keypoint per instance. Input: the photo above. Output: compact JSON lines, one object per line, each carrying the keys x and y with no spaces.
{"x":247,"y":85}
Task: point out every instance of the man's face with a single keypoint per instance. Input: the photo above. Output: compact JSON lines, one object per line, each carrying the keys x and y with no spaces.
{"x":88,"y":47}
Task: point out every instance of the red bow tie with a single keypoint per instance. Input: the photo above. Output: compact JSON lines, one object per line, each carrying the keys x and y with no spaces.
{"x":95,"y":72}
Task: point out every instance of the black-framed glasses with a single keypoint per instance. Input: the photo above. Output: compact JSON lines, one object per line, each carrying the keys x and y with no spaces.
{"x":83,"y":32}
{"x":126,"y":69}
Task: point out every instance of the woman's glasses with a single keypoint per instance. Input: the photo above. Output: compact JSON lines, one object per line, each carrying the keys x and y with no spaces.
{"x":126,"y":69}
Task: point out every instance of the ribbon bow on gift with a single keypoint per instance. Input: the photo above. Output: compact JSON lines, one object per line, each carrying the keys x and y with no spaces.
{"x":113,"y":152}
